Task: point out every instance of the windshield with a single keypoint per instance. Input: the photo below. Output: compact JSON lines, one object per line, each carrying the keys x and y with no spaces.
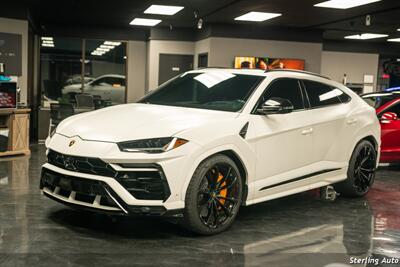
{"x":209,"y":90}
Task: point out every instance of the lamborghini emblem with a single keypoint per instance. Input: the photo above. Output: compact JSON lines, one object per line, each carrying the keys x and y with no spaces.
{"x":72,"y":143}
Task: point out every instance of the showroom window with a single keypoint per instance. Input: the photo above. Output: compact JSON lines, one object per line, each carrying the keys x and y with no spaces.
{"x":73,"y":67}
{"x":321,"y":95}
{"x":287,"y":89}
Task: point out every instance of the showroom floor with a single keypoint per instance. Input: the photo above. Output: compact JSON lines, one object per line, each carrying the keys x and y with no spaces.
{"x":292,"y":231}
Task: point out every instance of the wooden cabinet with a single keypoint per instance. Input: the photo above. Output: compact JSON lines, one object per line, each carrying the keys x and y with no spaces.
{"x":17,"y":122}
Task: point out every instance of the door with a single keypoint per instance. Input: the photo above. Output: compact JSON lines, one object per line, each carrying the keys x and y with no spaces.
{"x":390,"y":126}
{"x":108,"y":88}
{"x":202,"y":60}
{"x":117,"y":90}
{"x":172,"y":65}
{"x":333,"y":124}
{"x":283,"y":142}
{"x":99,"y":87}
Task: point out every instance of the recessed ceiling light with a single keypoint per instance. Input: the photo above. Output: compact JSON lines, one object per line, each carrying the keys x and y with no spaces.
{"x":394,"y":40}
{"x":345,"y":4}
{"x":48,"y":45}
{"x":47,"y":42}
{"x":398,"y":30}
{"x":163,"y":10}
{"x":258,"y":16}
{"x":366,"y":36}
{"x":144,"y":22}
{"x":47,"y":38}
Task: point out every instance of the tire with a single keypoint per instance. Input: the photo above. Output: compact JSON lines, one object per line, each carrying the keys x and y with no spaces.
{"x":213,"y":197}
{"x":361,"y":171}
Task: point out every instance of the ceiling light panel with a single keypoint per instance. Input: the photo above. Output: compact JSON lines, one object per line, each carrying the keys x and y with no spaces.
{"x":366,"y":36}
{"x":112,"y":43}
{"x":345,"y":4}
{"x":107,"y":46}
{"x":144,"y":22}
{"x":257,"y":16}
{"x":102,"y":49}
{"x":394,"y":40}
{"x":163,"y":10}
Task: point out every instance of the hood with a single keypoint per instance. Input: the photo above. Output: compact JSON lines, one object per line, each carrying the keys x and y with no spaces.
{"x":138,"y":121}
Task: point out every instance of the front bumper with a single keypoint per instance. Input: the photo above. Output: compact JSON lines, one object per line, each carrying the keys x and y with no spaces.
{"x":94,"y":195}
{"x":112,"y":169}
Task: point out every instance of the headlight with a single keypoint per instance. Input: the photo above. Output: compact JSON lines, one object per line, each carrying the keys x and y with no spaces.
{"x":153,"y":145}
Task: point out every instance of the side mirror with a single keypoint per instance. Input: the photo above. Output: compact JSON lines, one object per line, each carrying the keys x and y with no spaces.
{"x":276,"y":105}
{"x":389,"y":116}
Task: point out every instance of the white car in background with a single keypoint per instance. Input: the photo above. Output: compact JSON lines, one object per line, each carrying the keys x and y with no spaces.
{"x":212,"y":140}
{"x":108,"y":87}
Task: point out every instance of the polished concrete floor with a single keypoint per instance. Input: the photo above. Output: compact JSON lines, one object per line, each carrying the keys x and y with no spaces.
{"x":299,"y":230}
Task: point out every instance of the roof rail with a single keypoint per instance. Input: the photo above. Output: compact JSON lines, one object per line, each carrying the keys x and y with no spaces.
{"x":227,"y":68}
{"x":211,"y":67}
{"x":298,"y":71}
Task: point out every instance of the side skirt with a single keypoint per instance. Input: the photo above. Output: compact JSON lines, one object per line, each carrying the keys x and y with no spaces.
{"x":299,"y":184}
{"x":300,"y":178}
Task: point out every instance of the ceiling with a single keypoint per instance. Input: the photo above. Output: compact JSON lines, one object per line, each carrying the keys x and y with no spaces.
{"x":299,"y":14}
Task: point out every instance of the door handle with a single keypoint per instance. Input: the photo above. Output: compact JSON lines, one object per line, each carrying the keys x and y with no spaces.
{"x":351,"y":121}
{"x":307,"y":131}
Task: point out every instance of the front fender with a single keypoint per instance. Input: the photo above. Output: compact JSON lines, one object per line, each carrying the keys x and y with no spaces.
{"x":242,"y":150}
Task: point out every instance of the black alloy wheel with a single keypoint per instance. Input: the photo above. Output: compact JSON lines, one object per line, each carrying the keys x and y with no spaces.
{"x":218,"y":195}
{"x":214,"y":196}
{"x":361,"y":171}
{"x":364,"y":169}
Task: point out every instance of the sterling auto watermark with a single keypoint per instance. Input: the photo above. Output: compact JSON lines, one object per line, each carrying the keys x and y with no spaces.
{"x":374,"y":261}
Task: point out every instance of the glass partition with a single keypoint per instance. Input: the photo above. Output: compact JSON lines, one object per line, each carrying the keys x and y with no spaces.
{"x":75,"y":71}
{"x":60,"y":67}
{"x":105,"y":63}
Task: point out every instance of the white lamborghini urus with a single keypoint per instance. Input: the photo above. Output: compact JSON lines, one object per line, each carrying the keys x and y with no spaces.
{"x":212,"y":140}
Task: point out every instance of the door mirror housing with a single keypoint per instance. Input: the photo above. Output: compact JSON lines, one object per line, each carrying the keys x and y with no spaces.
{"x":276,"y":105}
{"x":389,"y":116}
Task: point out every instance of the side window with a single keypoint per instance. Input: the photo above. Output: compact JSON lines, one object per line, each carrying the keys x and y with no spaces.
{"x":100,"y":82}
{"x":344,"y":98}
{"x":320,"y":95}
{"x":284,"y":88}
{"x":121,"y":81}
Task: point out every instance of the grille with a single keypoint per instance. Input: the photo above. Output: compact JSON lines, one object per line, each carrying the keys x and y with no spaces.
{"x":81,"y":164}
{"x":149,"y":185}
{"x":146,"y":185}
{"x":85,"y":190}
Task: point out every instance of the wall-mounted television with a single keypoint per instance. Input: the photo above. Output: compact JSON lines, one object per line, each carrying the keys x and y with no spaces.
{"x":266,"y":63}
{"x":8,"y":95}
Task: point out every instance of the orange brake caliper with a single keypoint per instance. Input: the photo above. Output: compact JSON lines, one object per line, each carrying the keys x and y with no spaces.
{"x":223,"y":192}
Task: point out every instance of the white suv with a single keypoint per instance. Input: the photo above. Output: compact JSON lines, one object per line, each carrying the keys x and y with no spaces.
{"x":212,"y":140}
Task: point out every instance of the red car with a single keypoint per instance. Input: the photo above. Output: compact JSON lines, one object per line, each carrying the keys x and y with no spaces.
{"x":387,"y":107}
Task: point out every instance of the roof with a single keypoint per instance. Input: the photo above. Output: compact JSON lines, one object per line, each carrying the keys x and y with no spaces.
{"x":258,"y":71}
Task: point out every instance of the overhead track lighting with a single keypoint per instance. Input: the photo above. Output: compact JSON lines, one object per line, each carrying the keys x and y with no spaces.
{"x":200,"y":24}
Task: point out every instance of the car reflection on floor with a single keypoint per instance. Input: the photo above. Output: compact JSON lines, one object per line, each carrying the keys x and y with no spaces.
{"x":300,"y":230}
